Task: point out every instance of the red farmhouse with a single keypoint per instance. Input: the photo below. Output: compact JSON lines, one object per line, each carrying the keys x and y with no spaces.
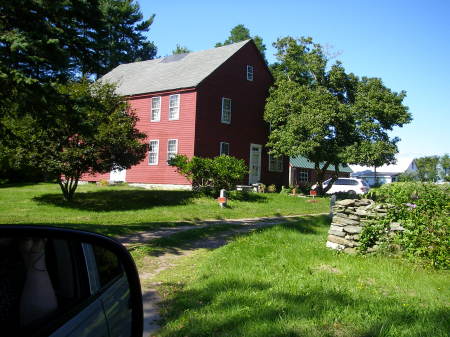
{"x":205,"y":104}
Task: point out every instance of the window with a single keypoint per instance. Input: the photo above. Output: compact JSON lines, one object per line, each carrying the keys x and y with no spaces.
{"x":156,"y":109}
{"x":302,"y":176}
{"x":174,"y":107}
{"x":226,"y":110}
{"x":275,"y":164}
{"x":224,"y":148}
{"x":249,"y":73}
{"x":153,"y":152}
{"x":172,"y":148}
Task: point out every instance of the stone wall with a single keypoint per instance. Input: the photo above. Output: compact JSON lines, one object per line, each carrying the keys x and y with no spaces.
{"x":348,"y":219}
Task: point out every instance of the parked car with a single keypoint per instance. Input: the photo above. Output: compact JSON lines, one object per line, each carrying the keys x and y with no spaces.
{"x":62,"y":282}
{"x":348,"y":185}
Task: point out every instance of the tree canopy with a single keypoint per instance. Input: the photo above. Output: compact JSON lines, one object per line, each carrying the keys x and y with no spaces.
{"x":241,"y":33}
{"x":180,"y":50}
{"x":329,"y":115}
{"x":45,"y":45}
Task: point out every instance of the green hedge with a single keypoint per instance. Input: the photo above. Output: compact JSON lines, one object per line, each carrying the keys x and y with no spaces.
{"x":423,"y":209}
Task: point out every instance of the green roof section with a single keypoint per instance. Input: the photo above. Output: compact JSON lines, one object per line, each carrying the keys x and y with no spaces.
{"x":302,"y":162}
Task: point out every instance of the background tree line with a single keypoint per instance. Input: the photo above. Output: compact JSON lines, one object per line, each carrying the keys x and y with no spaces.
{"x":429,"y":169}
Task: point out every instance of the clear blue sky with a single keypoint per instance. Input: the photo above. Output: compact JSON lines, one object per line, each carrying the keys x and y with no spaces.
{"x":406,"y":43}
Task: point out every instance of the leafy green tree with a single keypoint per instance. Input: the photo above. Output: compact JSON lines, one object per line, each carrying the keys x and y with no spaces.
{"x":45,"y":44}
{"x":241,"y":33}
{"x":95,"y":134}
{"x":427,"y":169}
{"x":444,"y":162}
{"x":328,"y":115}
{"x":180,"y":50}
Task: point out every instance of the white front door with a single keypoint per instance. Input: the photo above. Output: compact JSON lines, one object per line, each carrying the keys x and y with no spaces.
{"x":117,"y":175}
{"x":255,"y":164}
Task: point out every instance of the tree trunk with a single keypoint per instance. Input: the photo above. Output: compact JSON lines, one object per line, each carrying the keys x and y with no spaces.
{"x":68,"y":187}
{"x":375,"y":175}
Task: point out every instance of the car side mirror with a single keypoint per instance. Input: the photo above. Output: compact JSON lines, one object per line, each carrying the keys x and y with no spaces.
{"x":66,"y":282}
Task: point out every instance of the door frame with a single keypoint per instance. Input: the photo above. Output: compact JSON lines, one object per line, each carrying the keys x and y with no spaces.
{"x":259,"y":146}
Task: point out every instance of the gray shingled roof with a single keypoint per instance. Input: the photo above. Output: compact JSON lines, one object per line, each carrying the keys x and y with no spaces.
{"x":172,"y":72}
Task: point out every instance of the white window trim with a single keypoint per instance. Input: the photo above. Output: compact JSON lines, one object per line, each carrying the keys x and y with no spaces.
{"x":157,"y":152}
{"x":222,"y":110}
{"x":176,"y":148}
{"x":251,"y":68}
{"x":178,"y":107}
{"x":307,"y":176}
{"x":275,"y":169}
{"x":220,"y":148}
{"x":151,"y":109}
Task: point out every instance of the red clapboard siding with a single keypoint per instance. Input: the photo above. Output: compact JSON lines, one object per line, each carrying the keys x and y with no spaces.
{"x":247,"y":123}
{"x":182,"y":129}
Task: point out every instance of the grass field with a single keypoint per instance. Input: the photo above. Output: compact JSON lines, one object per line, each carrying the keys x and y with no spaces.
{"x":282,"y":281}
{"x":119,"y":210}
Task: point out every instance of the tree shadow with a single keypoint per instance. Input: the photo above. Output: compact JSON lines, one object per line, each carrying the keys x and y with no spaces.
{"x":121,"y":200}
{"x":239,"y":307}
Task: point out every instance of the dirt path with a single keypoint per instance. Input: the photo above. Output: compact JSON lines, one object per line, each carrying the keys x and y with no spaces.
{"x":168,"y":259}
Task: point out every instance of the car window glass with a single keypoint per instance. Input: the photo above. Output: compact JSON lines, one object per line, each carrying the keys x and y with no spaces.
{"x":108,"y":265}
{"x":353,"y":182}
{"x":340,"y":182}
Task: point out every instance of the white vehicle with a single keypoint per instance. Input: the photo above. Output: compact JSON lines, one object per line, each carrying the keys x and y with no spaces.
{"x":348,"y":185}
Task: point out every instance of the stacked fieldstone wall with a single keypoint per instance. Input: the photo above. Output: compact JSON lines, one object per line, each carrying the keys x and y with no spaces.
{"x":348,"y":219}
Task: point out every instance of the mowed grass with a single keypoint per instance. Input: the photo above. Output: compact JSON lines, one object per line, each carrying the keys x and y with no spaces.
{"x":119,"y":210}
{"x":282,"y":281}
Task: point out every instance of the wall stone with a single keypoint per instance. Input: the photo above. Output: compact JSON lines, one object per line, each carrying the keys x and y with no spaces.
{"x":349,"y":216}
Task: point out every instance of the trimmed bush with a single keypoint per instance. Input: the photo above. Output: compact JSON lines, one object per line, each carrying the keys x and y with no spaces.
{"x":209,"y":175}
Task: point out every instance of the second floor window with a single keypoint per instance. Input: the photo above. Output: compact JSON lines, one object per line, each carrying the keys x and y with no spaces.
{"x":226,"y":111}
{"x":174,"y":107}
{"x":156,"y":109}
{"x":224,"y":148}
{"x":172,"y":148}
{"x":275,"y":164}
{"x":153,"y":151}
{"x":249,"y":73}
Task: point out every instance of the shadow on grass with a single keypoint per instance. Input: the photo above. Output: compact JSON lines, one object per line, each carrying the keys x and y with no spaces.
{"x":128,"y":200}
{"x":118,"y":200}
{"x":218,"y":235}
{"x":232,"y":307}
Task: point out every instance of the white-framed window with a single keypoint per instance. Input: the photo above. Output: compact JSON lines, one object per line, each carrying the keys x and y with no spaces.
{"x":174,"y":107}
{"x":224,"y":148}
{"x":153,"y":152}
{"x":249,"y":73}
{"x":155,"y":115}
{"x":302,"y":176}
{"x":275,"y":164}
{"x":226,"y":111}
{"x":172,"y":148}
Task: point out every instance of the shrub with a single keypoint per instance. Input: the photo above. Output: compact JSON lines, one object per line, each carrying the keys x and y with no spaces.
{"x":271,"y":188}
{"x":423,"y":209}
{"x":286,"y":190}
{"x":209,"y":175}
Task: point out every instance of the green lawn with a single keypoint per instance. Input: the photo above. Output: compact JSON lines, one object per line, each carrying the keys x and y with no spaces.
{"x":120,"y":210}
{"x":282,"y":281}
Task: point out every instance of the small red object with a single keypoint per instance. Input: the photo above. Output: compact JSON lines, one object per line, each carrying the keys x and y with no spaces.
{"x":313,"y":193}
{"x":222,"y":200}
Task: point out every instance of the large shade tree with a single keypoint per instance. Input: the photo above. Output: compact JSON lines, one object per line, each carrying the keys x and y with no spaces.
{"x":327,"y":115}
{"x":46,"y":44}
{"x":96,"y":133}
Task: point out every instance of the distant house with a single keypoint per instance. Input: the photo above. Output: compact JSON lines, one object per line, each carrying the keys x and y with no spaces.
{"x":301,"y":171}
{"x":386,"y":173}
{"x":204,"y":104}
